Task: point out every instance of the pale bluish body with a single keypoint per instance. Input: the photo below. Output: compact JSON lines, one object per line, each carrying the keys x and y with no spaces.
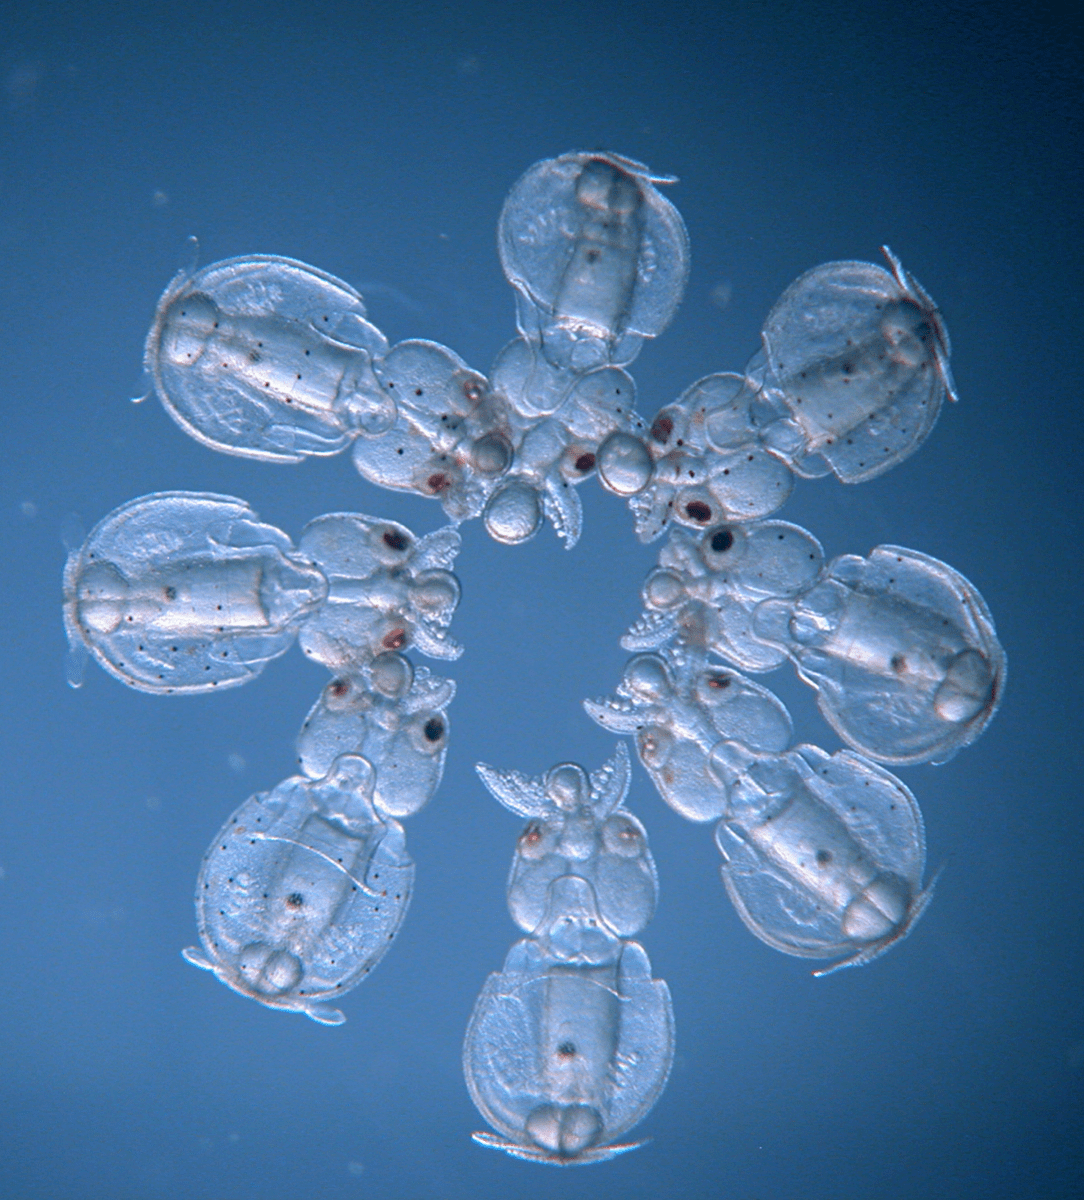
{"x":678,"y":714}
{"x":185,"y":592}
{"x":824,"y":855}
{"x":702,"y":596}
{"x":394,"y":715}
{"x":268,"y":358}
{"x":302,"y":891}
{"x":571,"y":1042}
{"x":901,"y":650}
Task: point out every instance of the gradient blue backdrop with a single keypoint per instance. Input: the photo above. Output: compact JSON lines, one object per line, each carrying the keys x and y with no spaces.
{"x":378,"y":142}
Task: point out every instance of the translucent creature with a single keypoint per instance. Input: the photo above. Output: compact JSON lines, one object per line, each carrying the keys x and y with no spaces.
{"x":451,"y":440}
{"x":578,"y":827}
{"x":386,"y":589}
{"x":678,"y":714}
{"x":709,"y":465}
{"x":570,"y":1044}
{"x":598,"y":258}
{"x":391,"y":713}
{"x":703,"y":594}
{"x":302,"y":891}
{"x":854,"y":370}
{"x":187,"y":591}
{"x":267,"y":358}
{"x":555,"y":452}
{"x":824,"y":854}
{"x":901,"y":650}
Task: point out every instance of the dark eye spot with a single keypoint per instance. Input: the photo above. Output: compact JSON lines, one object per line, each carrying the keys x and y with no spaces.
{"x":438,"y":482}
{"x":338,"y":687}
{"x":295,"y":900}
{"x":824,"y":857}
{"x":170,"y":592}
{"x":697,"y":510}
{"x":585,"y":462}
{"x":434,"y":729}
{"x":395,"y":541}
{"x":566,"y":1050}
{"x":662,"y":429}
{"x":395,"y":640}
{"x":721,"y":541}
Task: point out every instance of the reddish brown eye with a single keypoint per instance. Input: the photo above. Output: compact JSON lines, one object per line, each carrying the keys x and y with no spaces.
{"x":394,"y":540}
{"x":395,"y":640}
{"x":338,"y":688}
{"x":719,"y":681}
{"x":531,"y":836}
{"x":438,"y":482}
{"x":585,"y":462}
{"x":662,"y":429}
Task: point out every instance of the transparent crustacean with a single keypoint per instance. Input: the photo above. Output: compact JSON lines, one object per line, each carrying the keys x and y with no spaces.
{"x":824,"y":854}
{"x":702,"y":596}
{"x":570,"y":1044}
{"x":267,"y":358}
{"x":187,"y":591}
{"x":678,"y":714}
{"x":901,"y":650}
{"x":302,"y":891}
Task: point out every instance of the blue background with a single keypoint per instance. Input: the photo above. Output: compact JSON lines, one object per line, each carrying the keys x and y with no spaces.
{"x":378,"y":143}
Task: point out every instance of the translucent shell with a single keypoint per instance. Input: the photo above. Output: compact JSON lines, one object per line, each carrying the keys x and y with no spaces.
{"x":824,"y":854}
{"x":564,"y":1057}
{"x":901,"y":650}
{"x":857,"y":358}
{"x":187,"y":591}
{"x":267,"y":358}
{"x":302,"y":892}
{"x":597,"y":256}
